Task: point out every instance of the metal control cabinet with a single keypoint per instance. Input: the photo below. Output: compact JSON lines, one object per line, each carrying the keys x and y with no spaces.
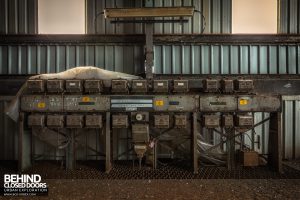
{"x":244,"y":85}
{"x":227,"y":86}
{"x":119,"y":86}
{"x":55,"y":86}
{"x":55,"y":121}
{"x":161,"y":86}
{"x":244,"y":120}
{"x":93,"y":121}
{"x":120,"y":121}
{"x":210,"y":85}
{"x":74,"y":86}
{"x":140,"y":133}
{"x":211,"y":121}
{"x":36,"y":120}
{"x":35,"y":86}
{"x":181,"y":121}
{"x":161,"y":121}
{"x":139,"y":105}
{"x":93,"y":86}
{"x":181,"y":86}
{"x":227,"y":121}
{"x":74,"y":121}
{"x":139,"y":86}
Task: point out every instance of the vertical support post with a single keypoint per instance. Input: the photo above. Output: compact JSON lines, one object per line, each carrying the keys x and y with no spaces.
{"x":275,"y":139}
{"x":230,"y":147}
{"x":149,"y":54}
{"x":107,"y":144}
{"x":20,"y":142}
{"x":194,"y":143}
{"x":70,"y":155}
{"x":24,"y":144}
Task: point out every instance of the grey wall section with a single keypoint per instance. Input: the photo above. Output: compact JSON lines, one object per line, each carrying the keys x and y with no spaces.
{"x":289,"y":16}
{"x":217,"y":16}
{"x":18,"y":16}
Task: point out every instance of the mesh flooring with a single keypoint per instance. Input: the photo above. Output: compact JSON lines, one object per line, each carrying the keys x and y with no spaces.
{"x":166,"y":170}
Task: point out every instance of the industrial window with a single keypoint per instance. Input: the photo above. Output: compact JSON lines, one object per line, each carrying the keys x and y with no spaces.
{"x":254,"y":16}
{"x":61,"y":16}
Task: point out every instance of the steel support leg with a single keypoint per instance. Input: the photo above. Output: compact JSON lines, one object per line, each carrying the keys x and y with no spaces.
{"x":70,"y":154}
{"x":107,"y":144}
{"x":230,"y":147}
{"x":275,"y":137}
{"x":194,"y":143}
{"x":24,"y":143}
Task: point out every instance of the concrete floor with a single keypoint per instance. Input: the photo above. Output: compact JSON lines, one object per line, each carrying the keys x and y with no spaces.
{"x":174,"y":189}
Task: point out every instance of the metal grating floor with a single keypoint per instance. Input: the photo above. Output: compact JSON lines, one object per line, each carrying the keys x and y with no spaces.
{"x":167,"y":170}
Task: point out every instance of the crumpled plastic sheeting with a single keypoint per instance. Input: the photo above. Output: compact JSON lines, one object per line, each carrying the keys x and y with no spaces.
{"x":216,"y":155}
{"x":87,"y":72}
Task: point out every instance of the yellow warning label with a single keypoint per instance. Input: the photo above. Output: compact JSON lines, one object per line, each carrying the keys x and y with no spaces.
{"x":159,"y":102}
{"x":243,"y":102}
{"x":41,"y":105}
{"x":86,"y":99}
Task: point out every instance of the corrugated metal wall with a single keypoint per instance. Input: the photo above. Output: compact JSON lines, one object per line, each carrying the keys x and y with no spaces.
{"x":23,"y":59}
{"x":227,"y":59}
{"x":18,"y":17}
{"x":169,"y":59}
{"x":217,"y":16}
{"x":291,"y":127}
{"x":289,"y":16}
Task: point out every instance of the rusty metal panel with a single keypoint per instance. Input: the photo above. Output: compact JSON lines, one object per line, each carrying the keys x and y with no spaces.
{"x":42,"y":103}
{"x":259,"y":103}
{"x":148,"y":12}
{"x":218,"y":103}
{"x":248,"y":158}
{"x":175,"y":103}
{"x":85,"y":103}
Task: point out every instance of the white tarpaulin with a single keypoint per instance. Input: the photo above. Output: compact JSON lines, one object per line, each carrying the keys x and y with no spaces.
{"x":82,"y":73}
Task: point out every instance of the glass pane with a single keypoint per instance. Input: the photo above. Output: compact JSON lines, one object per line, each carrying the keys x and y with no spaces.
{"x":61,"y":16}
{"x":254,"y":16}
